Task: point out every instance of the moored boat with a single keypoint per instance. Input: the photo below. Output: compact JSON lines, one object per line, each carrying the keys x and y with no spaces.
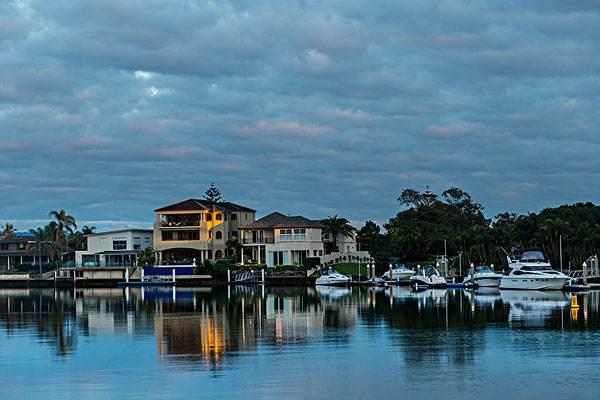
{"x":531,"y":271}
{"x":428,"y":277}
{"x":483,"y":276}
{"x":331,"y":277}
{"x":400,"y":274}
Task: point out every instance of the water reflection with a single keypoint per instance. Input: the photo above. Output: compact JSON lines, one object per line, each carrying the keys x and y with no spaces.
{"x":204,"y":327}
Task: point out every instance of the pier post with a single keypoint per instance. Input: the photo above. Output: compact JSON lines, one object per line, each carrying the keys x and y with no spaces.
{"x":585,"y":273}
{"x":228,"y":276}
{"x":173,"y":271}
{"x":126,"y":274}
{"x":390,"y":269}
{"x":142,"y":276}
{"x":262,"y":275}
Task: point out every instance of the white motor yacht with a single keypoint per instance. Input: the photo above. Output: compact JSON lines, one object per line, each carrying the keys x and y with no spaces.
{"x":483,"y":276}
{"x":428,"y":277}
{"x":331,"y":277}
{"x":400,"y":274}
{"x":531,"y":271}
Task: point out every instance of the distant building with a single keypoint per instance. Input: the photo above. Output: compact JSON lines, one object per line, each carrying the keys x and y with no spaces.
{"x":277,"y":239}
{"x":114,"y":248}
{"x":17,"y":250}
{"x":197,"y":229}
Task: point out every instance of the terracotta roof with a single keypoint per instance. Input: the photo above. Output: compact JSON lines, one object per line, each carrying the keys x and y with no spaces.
{"x":203,"y":205}
{"x":278,"y":220}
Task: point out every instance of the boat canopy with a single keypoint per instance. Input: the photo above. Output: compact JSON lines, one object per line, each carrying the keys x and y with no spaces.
{"x":533,"y":256}
{"x":482,"y":269}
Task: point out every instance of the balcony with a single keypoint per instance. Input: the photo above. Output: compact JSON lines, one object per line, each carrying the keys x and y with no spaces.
{"x":258,"y":240}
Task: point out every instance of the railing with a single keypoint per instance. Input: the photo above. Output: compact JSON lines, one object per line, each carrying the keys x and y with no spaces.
{"x":258,"y":240}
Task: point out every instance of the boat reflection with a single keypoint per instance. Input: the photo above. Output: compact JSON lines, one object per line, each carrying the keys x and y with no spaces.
{"x":530,"y":308}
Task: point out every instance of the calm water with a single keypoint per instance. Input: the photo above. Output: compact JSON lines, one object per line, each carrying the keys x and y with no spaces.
{"x":297,"y":343}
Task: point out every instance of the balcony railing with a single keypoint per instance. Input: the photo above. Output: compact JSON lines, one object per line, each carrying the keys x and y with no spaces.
{"x":258,"y":240}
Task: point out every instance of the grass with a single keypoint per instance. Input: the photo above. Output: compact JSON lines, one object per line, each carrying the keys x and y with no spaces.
{"x":351,"y":268}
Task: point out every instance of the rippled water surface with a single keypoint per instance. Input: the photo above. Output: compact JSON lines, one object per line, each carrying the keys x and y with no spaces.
{"x":298,"y":343}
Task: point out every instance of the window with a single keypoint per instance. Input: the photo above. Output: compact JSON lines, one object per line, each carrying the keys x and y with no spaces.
{"x":315,"y":253}
{"x":219,"y":217}
{"x":167,"y":235}
{"x":234,"y":217}
{"x":209,"y":236}
{"x":119,"y":243}
{"x":137,"y":243}
{"x":218,"y":254}
{"x":4,"y":246}
{"x":147,"y":239}
{"x":208,"y":216}
{"x":219,"y":235}
{"x":21,"y":246}
{"x":285,"y":234}
{"x":300,"y":234}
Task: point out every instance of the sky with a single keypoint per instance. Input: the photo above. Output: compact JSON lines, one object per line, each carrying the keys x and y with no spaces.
{"x":111,"y":109}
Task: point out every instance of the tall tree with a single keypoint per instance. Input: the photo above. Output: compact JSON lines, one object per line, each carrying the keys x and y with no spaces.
{"x":335,"y":226}
{"x":43,"y":242}
{"x":213,"y":194}
{"x":65,"y":225}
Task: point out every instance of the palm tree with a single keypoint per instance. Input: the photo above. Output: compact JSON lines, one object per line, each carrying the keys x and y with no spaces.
{"x":335,"y":226}
{"x":8,"y":231}
{"x":145,"y":257}
{"x":234,"y":246}
{"x":65,"y":223}
{"x":43,"y":243}
{"x":88,"y":230}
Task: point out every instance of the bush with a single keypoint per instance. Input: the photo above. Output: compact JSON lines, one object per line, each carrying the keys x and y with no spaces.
{"x":311,"y":262}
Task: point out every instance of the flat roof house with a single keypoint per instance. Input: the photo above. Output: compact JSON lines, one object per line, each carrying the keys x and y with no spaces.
{"x":114,"y":248}
{"x":277,"y":239}
{"x":197,"y":229}
{"x":16,"y":250}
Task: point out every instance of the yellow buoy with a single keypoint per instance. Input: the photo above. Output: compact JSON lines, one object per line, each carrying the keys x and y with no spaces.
{"x":574,"y":304}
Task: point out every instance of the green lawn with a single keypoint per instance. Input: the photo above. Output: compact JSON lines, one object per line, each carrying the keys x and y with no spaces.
{"x":351,"y":268}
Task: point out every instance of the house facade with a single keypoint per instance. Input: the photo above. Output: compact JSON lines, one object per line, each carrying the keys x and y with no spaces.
{"x":277,"y":239}
{"x":17,"y":250}
{"x":198,"y":230}
{"x":114,"y":248}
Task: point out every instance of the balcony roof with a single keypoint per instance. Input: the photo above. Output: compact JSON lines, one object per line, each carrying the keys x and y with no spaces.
{"x":278,"y":220}
{"x":203,"y":205}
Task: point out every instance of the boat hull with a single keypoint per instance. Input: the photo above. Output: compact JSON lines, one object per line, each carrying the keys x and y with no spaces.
{"x":533,"y":283}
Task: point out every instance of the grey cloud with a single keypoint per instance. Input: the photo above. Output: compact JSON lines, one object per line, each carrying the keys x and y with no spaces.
{"x":111,"y":108}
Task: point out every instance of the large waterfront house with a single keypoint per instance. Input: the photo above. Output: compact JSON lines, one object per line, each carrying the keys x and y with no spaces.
{"x":198,"y":230}
{"x":278,"y":239}
{"x":114,"y":248}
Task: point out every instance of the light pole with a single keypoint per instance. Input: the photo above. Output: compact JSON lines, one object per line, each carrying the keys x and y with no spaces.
{"x":561,"y":253}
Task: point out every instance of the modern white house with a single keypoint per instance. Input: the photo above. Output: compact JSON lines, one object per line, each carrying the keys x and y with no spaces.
{"x":114,"y":248}
{"x":277,"y":239}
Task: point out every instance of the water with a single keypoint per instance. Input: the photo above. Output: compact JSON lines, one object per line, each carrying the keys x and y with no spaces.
{"x":297,"y":343}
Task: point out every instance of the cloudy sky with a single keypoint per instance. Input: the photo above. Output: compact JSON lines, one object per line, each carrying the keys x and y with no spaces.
{"x":112,"y":108}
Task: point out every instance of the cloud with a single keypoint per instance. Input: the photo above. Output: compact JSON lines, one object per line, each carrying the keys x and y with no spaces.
{"x":110,"y":109}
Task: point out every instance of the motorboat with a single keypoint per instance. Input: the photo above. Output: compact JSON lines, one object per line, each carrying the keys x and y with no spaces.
{"x":428,"y":277}
{"x":483,"y":276}
{"x":331,"y":277}
{"x":531,"y":271}
{"x":400,"y":274}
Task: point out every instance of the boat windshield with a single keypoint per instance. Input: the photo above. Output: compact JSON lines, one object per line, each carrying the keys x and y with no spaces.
{"x":400,"y":266}
{"x":429,"y":270}
{"x":482,"y":269}
{"x":532,"y":256}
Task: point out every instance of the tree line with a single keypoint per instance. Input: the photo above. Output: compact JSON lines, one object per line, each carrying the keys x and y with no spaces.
{"x":429,"y":221}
